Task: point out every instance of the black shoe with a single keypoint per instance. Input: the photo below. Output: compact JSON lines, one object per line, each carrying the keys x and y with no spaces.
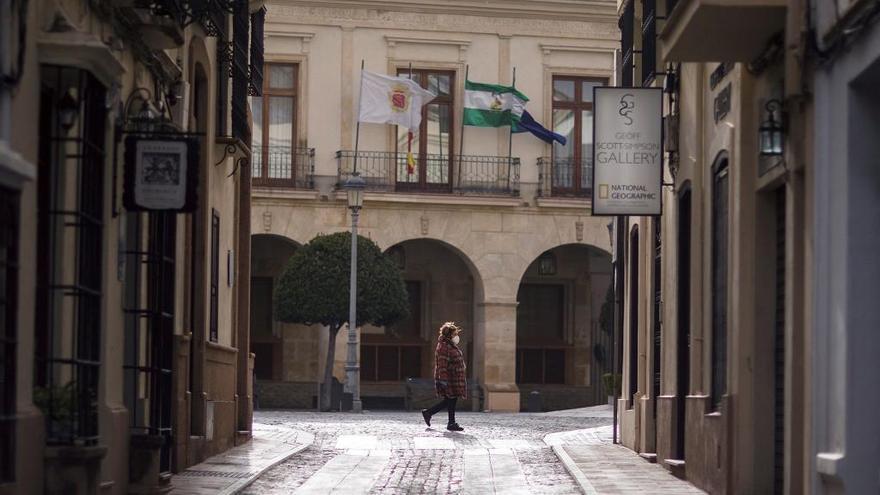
{"x":427,"y":416}
{"x":454,"y":427}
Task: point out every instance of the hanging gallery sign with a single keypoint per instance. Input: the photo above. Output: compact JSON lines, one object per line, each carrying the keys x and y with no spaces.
{"x":627,"y":151}
{"x":161,"y":173}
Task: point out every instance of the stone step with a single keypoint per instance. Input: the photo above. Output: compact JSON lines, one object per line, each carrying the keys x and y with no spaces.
{"x":676,"y":467}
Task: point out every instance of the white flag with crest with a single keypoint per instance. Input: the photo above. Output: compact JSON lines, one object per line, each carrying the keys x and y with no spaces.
{"x":392,"y":100}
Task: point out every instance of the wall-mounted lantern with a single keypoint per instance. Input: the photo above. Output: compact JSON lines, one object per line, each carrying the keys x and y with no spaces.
{"x":547,"y":264}
{"x":771,"y":134}
{"x":68,"y":111}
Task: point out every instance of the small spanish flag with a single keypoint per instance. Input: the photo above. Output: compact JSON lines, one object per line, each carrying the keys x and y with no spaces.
{"x":410,"y":161}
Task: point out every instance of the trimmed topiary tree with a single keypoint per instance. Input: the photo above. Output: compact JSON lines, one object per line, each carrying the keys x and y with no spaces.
{"x":314,"y":289}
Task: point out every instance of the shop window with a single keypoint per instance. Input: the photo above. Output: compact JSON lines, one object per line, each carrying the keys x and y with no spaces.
{"x":720,"y":215}
{"x":633,"y":314}
{"x":70,"y":232}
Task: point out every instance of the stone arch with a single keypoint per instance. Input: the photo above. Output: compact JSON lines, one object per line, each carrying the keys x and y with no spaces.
{"x":561,"y":351}
{"x":277,"y":346}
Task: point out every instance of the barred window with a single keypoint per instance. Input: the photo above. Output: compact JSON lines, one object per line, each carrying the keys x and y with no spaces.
{"x":70,"y":235}
{"x":627,"y":33}
{"x":149,"y":325}
{"x":649,"y":41}
{"x":213,"y":333}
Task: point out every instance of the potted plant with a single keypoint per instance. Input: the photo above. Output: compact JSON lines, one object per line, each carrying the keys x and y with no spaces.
{"x":612,"y":386}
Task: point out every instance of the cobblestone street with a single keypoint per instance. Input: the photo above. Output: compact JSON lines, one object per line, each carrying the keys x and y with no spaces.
{"x":394,"y":452}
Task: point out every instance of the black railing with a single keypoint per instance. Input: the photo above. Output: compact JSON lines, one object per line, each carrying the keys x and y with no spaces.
{"x":258,"y":23}
{"x":465,"y":174}
{"x":240,"y":79}
{"x":279,"y":166}
{"x":565,"y":177}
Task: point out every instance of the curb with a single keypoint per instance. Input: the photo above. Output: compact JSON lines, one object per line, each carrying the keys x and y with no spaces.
{"x":243,"y":483}
{"x":574,"y":471}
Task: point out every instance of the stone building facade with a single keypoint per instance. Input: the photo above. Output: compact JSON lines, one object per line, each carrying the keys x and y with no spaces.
{"x":125,"y":335}
{"x":730,"y":374}
{"x":504,"y":244}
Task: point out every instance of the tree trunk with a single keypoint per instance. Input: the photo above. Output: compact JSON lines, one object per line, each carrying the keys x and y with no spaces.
{"x":328,"y":368}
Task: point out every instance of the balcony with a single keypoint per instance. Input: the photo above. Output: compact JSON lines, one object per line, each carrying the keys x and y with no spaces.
{"x":284,"y":168}
{"x":740,"y":29}
{"x":565,"y":177}
{"x":385,"y":171}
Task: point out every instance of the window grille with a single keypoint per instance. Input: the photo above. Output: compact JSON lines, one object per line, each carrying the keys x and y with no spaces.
{"x":649,"y":41}
{"x":215,"y":275}
{"x":240,"y":79}
{"x":70,"y":245}
{"x":627,"y":31}
{"x":220,"y":23}
{"x":9,"y":214}
{"x":258,"y":22}
{"x":149,"y":326}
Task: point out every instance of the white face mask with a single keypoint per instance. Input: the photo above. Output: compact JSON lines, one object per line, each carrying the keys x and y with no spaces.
{"x":456,"y":339}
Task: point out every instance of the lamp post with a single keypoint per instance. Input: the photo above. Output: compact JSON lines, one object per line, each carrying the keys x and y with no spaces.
{"x":354,"y":188}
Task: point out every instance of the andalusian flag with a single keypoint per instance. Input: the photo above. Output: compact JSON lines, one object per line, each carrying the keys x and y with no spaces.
{"x":492,"y":105}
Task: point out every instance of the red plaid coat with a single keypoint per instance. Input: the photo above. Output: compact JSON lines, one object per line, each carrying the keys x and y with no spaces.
{"x":449,"y":367}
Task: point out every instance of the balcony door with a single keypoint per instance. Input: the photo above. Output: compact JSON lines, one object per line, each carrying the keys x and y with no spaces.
{"x":432,"y":147}
{"x":572,"y":169}
{"x":274,"y":135}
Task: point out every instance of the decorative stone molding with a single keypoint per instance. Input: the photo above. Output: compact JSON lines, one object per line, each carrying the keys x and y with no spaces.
{"x":305,"y":38}
{"x":596,"y":47}
{"x":267,"y":221}
{"x":424,"y":222}
{"x":81,"y":50}
{"x":393,"y":41}
{"x":579,"y":231}
{"x":602,"y":27}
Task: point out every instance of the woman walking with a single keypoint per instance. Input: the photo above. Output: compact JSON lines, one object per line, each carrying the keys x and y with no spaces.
{"x":449,"y":375}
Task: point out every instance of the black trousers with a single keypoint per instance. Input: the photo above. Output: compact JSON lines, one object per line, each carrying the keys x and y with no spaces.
{"x":449,"y":404}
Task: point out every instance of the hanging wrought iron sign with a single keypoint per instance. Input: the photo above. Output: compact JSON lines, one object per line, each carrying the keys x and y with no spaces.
{"x":161,"y":173}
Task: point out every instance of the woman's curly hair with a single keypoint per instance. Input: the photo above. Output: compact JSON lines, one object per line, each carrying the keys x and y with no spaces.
{"x":448,"y":329}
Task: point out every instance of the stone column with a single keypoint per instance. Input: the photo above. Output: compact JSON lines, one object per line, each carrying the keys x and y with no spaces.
{"x":495,"y":358}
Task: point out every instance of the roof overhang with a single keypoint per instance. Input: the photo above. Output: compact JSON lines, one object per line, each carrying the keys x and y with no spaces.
{"x":720,"y":30}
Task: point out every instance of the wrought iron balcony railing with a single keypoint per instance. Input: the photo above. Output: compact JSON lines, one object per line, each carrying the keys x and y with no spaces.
{"x":284,"y":167}
{"x":565,"y":177}
{"x":459,"y":174}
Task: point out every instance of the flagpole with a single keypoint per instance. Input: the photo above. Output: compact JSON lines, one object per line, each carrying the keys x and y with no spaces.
{"x":510,"y":138}
{"x":461,"y":139}
{"x":357,"y":132}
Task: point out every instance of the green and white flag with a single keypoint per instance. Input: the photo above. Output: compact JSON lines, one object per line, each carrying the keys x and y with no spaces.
{"x":492,"y":105}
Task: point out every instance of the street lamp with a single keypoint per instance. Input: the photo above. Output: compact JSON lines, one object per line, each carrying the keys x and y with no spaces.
{"x":354,"y":188}
{"x":772,"y":130}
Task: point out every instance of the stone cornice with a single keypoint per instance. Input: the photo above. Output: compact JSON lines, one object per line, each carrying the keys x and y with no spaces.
{"x":581,"y":10}
{"x":447,"y":18}
{"x":549,"y":48}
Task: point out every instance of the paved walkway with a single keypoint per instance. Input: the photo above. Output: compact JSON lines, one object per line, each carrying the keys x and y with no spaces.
{"x":238,"y":467}
{"x":394,"y":453}
{"x":600,"y":467}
